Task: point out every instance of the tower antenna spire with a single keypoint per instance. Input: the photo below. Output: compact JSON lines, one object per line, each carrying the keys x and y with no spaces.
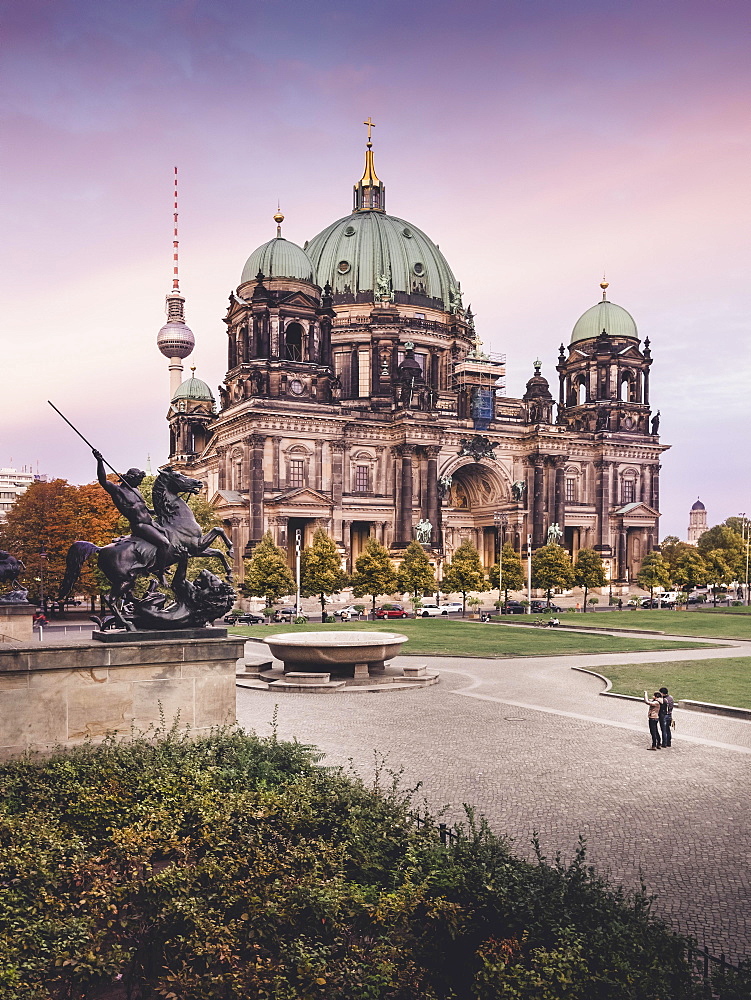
{"x":175,"y":245}
{"x":175,"y":340}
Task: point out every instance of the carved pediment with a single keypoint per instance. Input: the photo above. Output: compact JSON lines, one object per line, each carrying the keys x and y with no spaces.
{"x":636,"y":511}
{"x":301,"y":497}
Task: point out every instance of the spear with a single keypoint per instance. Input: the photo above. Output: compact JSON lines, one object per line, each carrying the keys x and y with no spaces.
{"x":123,"y":481}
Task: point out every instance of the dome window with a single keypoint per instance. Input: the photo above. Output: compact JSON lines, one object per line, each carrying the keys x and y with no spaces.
{"x":418,"y":268}
{"x":349,"y":231}
{"x":407,"y":232}
{"x":343,"y":266}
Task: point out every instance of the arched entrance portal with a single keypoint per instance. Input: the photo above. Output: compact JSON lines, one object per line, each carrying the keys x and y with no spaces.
{"x":477,"y":493}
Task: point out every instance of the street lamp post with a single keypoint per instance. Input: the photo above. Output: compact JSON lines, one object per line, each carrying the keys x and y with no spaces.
{"x":745,"y":535}
{"x":298,"y":539}
{"x":529,"y":574}
{"x":42,"y":560}
{"x":501,"y":521}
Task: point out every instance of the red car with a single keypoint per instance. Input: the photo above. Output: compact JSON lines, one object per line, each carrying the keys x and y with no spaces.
{"x":391,"y":611}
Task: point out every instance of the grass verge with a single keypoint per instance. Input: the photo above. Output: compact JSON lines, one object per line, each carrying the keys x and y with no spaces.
{"x":706,"y":623}
{"x":720,"y":682}
{"x":432,"y":635}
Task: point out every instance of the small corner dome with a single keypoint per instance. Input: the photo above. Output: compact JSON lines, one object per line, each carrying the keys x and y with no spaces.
{"x":193,"y":388}
{"x":278,"y":259}
{"x":698,"y":506}
{"x":607,"y":316}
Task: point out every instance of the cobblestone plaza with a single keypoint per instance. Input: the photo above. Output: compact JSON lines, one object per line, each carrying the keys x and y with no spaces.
{"x":531,"y":744}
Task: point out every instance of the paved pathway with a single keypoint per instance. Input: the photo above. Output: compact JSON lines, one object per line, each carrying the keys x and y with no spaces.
{"x":533,"y":746}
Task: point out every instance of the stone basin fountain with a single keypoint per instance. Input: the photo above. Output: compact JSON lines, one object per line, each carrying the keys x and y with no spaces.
{"x":348,"y":654}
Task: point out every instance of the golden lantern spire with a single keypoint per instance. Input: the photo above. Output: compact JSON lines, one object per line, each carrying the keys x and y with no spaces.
{"x":370,"y":192}
{"x":278,"y":219}
{"x":604,"y":286}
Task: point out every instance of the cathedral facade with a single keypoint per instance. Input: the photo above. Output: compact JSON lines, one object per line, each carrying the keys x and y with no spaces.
{"x":358,"y":397}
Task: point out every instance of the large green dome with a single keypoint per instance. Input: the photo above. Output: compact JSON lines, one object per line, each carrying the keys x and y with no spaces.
{"x":278,"y":259}
{"x":353,"y":253}
{"x":607,"y":316}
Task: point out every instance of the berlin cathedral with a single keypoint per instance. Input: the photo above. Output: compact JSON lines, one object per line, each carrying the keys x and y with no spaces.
{"x":358,"y":398}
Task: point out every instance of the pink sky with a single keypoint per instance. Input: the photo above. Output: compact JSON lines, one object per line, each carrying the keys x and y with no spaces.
{"x":536,"y":142}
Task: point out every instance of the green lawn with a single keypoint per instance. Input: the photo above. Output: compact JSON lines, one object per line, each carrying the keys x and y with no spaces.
{"x":433,"y":635}
{"x":705,"y":623}
{"x":721,"y":682}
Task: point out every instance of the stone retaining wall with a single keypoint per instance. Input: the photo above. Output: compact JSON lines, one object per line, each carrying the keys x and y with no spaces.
{"x":60,"y":695}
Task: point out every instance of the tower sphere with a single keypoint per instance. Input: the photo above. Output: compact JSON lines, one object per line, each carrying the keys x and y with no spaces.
{"x":175,"y":340}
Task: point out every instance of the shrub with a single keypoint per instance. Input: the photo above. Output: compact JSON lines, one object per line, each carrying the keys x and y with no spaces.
{"x":233,"y":867}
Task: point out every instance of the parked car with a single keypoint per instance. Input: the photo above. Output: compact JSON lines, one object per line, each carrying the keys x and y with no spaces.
{"x":392,"y":611}
{"x":286,"y":613}
{"x":243,"y":618}
{"x":654,"y":604}
{"x":513,"y":608}
{"x":452,"y":606}
{"x":433,"y":611}
{"x":542,"y":607}
{"x":352,"y":611}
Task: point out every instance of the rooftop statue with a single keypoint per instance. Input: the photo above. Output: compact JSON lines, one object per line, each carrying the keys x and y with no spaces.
{"x":554,"y":534}
{"x":518,"y":489}
{"x":423,"y":531}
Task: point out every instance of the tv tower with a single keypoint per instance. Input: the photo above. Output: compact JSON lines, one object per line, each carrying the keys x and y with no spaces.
{"x":175,"y":340}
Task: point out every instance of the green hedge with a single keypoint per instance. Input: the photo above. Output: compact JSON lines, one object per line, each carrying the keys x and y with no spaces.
{"x":236,"y":867}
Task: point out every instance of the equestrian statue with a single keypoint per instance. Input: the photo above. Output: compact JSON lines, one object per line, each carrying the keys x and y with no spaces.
{"x":159,"y":539}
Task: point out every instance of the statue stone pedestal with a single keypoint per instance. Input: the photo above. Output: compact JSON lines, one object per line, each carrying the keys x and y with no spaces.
{"x":16,"y":622}
{"x":59,"y":695}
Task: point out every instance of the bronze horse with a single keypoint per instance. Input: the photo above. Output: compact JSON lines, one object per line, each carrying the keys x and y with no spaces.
{"x":127,"y":558}
{"x":10,"y":568}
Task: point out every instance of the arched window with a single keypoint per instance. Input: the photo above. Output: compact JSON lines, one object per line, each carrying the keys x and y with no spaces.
{"x":582,"y":389}
{"x":625,"y":394}
{"x":293,"y":342}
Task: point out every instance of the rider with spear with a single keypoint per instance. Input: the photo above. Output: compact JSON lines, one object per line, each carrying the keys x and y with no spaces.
{"x":129,"y":502}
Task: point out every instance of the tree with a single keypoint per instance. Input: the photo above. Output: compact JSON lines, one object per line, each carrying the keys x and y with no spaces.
{"x":375,"y":573}
{"x":552,"y":569}
{"x":509,"y":574}
{"x":720,"y":570}
{"x":672,"y":548}
{"x":464,"y":573}
{"x":44,"y":519}
{"x":654,"y":572}
{"x":321,"y":570}
{"x":588,"y":572}
{"x":689,"y":570}
{"x":724,"y":539}
{"x":415,"y":575}
{"x":266,"y":572}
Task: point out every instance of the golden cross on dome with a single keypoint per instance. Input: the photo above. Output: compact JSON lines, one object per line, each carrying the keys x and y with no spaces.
{"x":370,"y":125}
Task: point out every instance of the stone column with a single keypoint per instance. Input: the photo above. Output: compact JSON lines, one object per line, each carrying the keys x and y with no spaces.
{"x":221,"y":452}
{"x":404,"y":520}
{"x":256,"y":443}
{"x":656,"y":486}
{"x":643,"y":489}
{"x":622,"y":554}
{"x":275,"y":463}
{"x":538,"y":496}
{"x":645,"y":398}
{"x":433,"y":506}
{"x":559,"y":463}
{"x":318,"y":475}
{"x":337,"y":460}
{"x":347,"y":542}
{"x":602,"y":501}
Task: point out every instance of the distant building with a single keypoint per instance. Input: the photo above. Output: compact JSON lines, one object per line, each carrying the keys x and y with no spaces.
{"x":12,"y":484}
{"x":697,"y":522}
